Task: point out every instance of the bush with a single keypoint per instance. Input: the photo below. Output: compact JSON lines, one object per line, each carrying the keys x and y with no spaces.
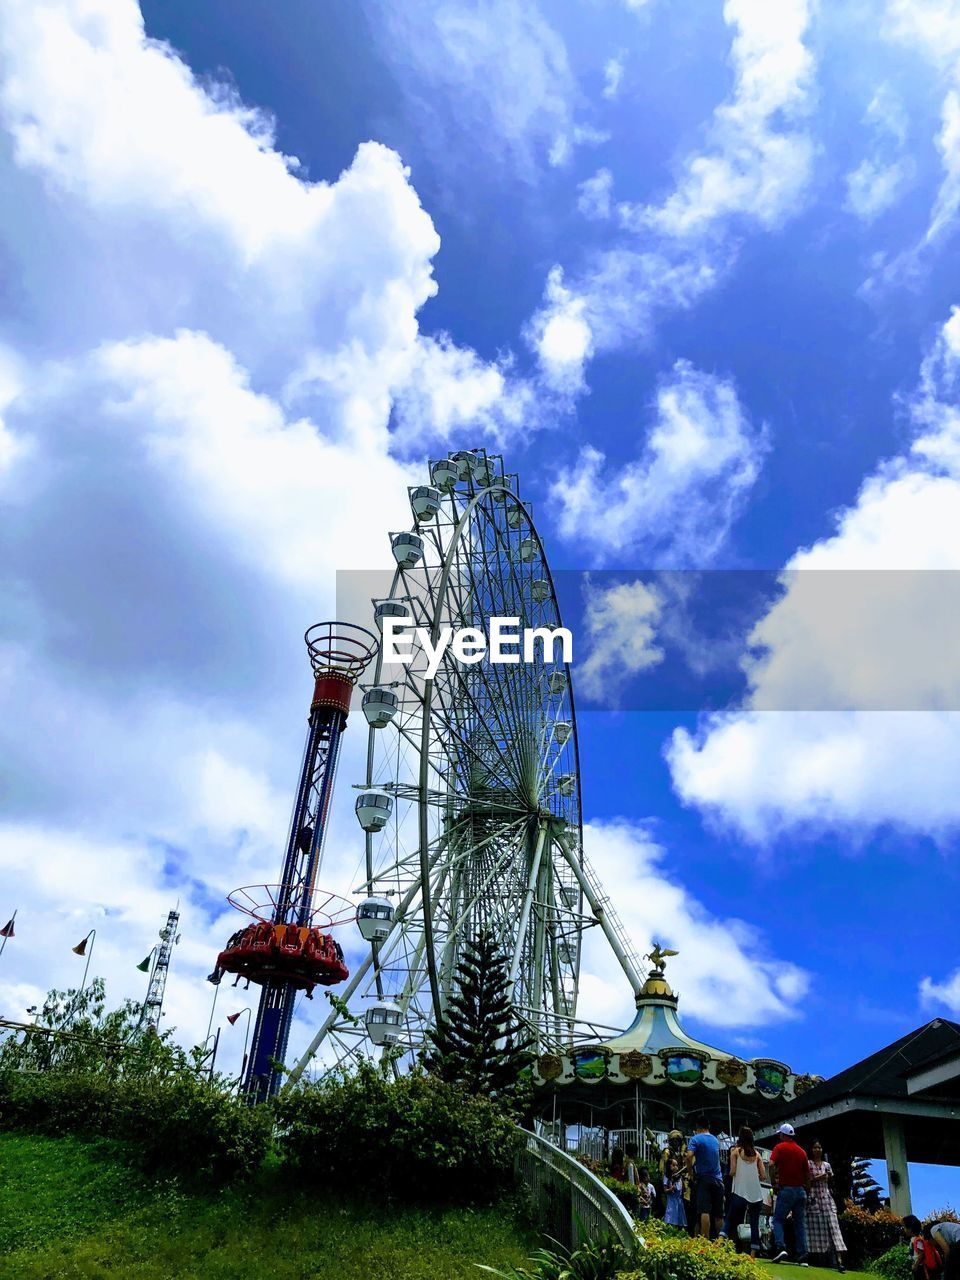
{"x":692,"y":1258}
{"x":416,"y":1138}
{"x":180,"y":1124}
{"x":626,"y":1192}
{"x":868,"y":1235}
{"x":895,"y":1264}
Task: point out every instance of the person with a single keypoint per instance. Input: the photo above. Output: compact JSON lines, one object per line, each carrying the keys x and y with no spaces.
{"x":925,"y":1260}
{"x":630,"y":1164}
{"x":617,"y":1164}
{"x":647,"y":1193}
{"x":790,"y":1172}
{"x":676,"y":1150}
{"x":674,"y":1214}
{"x":746,"y":1194}
{"x":823,"y":1225}
{"x":946,"y":1237}
{"x":703,"y":1160}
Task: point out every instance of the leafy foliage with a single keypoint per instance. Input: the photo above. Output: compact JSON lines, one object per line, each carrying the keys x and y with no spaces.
{"x":180,"y":1123}
{"x":626,"y":1192}
{"x":74,"y":1032}
{"x":417,"y":1137}
{"x":590,"y":1260}
{"x":691,"y":1258}
{"x":868,"y":1234}
{"x":480,"y":1043}
{"x":895,"y":1264}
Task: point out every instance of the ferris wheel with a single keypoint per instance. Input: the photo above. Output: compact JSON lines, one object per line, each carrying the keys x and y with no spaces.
{"x":470,"y":806}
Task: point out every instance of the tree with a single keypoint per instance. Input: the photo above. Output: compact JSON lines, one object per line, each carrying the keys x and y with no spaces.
{"x":865,"y":1191}
{"x":480,"y":1043}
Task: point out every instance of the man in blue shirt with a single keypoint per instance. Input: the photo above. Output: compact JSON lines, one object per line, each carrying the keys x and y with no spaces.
{"x":703,"y":1160}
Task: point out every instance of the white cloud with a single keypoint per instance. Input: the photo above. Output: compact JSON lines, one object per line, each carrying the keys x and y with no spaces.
{"x":879,"y":646}
{"x":171,"y":523}
{"x":677,"y":500}
{"x":612,"y":76}
{"x":561,"y":336}
{"x":946,"y":993}
{"x":497,"y":75}
{"x":933,"y":27}
{"x":620,"y":623}
{"x":755,"y":166}
{"x":314,"y":287}
{"x":873,"y":187}
{"x":725,"y":971}
{"x":755,"y":169}
{"x":594,"y":198}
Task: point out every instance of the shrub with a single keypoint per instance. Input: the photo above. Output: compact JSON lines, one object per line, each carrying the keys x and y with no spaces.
{"x":868,"y":1235}
{"x":626,"y":1192}
{"x":590,"y":1260}
{"x":416,"y":1138}
{"x":692,"y":1258}
{"x":181,"y":1124}
{"x":895,"y":1264}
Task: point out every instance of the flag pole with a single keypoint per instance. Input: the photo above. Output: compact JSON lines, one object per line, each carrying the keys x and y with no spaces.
{"x":7,"y":931}
{"x":92,"y":935}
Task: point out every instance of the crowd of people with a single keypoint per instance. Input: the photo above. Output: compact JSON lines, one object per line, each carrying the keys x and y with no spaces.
{"x":753,"y":1203}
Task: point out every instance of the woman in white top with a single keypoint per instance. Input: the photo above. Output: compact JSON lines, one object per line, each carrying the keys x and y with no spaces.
{"x":746,"y":1194}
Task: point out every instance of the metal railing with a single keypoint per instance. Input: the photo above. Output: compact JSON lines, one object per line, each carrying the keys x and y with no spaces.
{"x":569,"y":1202}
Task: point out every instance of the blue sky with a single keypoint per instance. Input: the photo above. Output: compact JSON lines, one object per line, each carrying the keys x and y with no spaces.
{"x":690,"y":268}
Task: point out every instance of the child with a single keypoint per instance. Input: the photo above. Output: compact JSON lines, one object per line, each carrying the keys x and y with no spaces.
{"x":925,"y":1260}
{"x":647,"y":1193}
{"x":675,"y":1214}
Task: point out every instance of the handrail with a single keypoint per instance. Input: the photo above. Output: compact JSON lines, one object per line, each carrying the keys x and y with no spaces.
{"x":569,"y":1201}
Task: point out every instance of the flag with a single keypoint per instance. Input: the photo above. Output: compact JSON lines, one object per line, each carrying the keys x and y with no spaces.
{"x":144,"y":965}
{"x":7,"y":930}
{"x":232,"y":1017}
{"x":81,"y":948}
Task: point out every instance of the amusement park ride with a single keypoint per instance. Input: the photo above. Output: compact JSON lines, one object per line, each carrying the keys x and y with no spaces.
{"x":470,"y":804}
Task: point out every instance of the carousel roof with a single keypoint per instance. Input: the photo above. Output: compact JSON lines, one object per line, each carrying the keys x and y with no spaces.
{"x":656,"y":1025}
{"x":655,"y":1050}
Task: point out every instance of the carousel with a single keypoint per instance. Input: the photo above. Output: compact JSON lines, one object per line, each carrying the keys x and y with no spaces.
{"x":654,"y":1078}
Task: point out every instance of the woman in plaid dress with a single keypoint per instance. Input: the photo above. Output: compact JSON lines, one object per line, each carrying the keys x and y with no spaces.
{"x":823,"y":1225}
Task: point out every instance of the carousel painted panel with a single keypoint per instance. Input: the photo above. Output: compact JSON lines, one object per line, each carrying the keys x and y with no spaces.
{"x":770,"y":1077}
{"x":684,"y":1067}
{"x":590,"y":1064}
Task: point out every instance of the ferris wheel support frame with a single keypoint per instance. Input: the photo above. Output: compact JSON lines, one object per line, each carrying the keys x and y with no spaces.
{"x":600,"y":914}
{"x":361,"y":971}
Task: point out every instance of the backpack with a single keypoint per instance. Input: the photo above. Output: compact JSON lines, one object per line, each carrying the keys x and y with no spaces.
{"x":932,"y":1261}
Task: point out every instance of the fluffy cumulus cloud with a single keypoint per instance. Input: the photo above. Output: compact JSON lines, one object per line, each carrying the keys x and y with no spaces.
{"x":728,"y":976}
{"x":753,"y":169}
{"x":942,"y":995}
{"x":675,"y":502}
{"x":852,"y":717}
{"x":620,"y":624}
{"x":759,"y":158}
{"x":209,"y":357}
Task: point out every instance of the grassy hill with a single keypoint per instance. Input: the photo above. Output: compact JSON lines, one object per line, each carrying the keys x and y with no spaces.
{"x":70,"y":1208}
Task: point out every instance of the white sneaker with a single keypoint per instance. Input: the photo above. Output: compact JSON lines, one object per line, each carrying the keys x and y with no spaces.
{"x":780,"y":1257}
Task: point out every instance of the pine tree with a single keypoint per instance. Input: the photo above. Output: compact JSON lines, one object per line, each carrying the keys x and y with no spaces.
{"x":865,"y":1191}
{"x":480,"y":1042}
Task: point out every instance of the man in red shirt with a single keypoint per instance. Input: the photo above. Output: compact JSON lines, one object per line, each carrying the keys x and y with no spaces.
{"x":790,"y":1174}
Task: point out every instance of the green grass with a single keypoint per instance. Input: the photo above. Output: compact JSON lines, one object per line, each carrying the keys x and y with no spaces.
{"x":71,"y":1209}
{"x":790,"y":1271}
